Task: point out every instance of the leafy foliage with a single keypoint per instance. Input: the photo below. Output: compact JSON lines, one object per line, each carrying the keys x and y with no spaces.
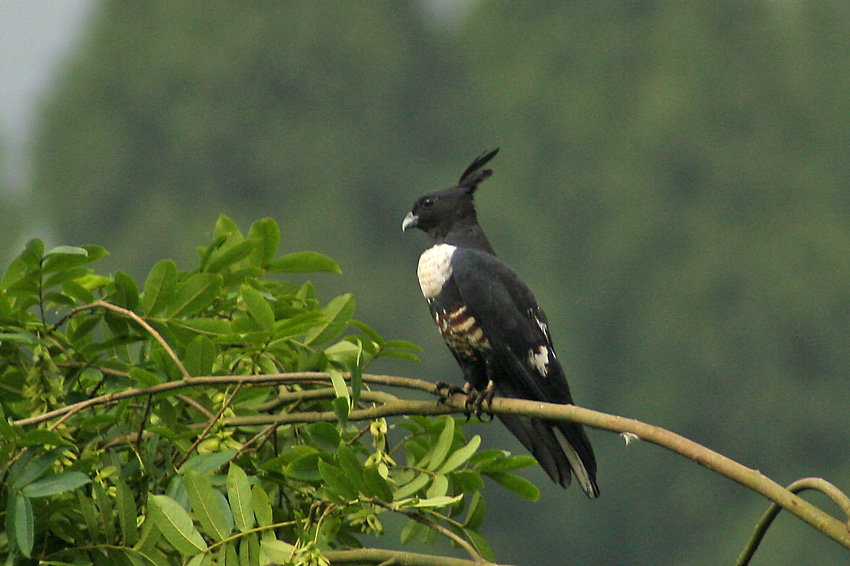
{"x":150,"y":476}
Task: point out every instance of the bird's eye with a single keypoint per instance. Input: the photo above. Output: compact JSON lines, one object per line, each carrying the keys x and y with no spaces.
{"x":428,"y":202}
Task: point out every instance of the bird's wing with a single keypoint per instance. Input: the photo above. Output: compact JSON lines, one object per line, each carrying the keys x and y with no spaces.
{"x":522,"y":363}
{"x":513,"y":323}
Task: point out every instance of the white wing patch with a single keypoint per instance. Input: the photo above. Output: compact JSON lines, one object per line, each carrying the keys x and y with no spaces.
{"x":544,"y":328}
{"x":435,"y":268}
{"x":539,"y":359}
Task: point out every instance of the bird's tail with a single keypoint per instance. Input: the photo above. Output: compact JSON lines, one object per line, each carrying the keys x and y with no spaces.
{"x":561,"y":448}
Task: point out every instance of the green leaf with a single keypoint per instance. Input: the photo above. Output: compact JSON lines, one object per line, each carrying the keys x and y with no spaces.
{"x":258,"y":308}
{"x":410,"y":531}
{"x":68,"y":250}
{"x":376,"y":485}
{"x":338,"y":313}
{"x":480,"y":543}
{"x":7,"y":431}
{"x":461,"y":455}
{"x":351,"y":466}
{"x":175,"y":525}
{"x":30,"y":467}
{"x":324,"y":436}
{"x":42,"y":437}
{"x":477,"y":510}
{"x":200,"y":560}
{"x":89,"y":516}
{"x":64,"y":257}
{"x":249,"y":550}
{"x":126,"y":506}
{"x":57,"y":483}
{"x":239,"y":495}
{"x":159,"y":287}
{"x":144,"y":377}
{"x":336,"y":482}
{"x":126,"y":291}
{"x":261,"y":505}
{"x":516,"y":484}
{"x":278,"y":551}
{"x":339,"y":385}
{"x":226,"y":228}
{"x":135,"y":557}
{"x":230,"y":256}
{"x":20,"y":525}
{"x":34,"y":249}
{"x":208,"y":463}
{"x":205,"y":505}
{"x":304,"y":468}
{"x":505,"y":463}
{"x":439,"y":486}
{"x":227,"y":555}
{"x":194,"y":295}
{"x":65,"y":275}
{"x":267,"y":232}
{"x":201,"y":353}
{"x":444,"y":443}
{"x":412,"y":486}
{"x":440,"y":501}
{"x":77,"y":291}
{"x":104,"y":503}
{"x":303,"y":262}
{"x":342,"y":407}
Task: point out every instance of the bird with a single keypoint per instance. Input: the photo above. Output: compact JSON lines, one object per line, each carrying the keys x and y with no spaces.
{"x":494,"y":327}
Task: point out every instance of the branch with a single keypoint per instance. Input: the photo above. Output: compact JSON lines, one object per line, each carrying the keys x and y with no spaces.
{"x":456,"y":403}
{"x":705,"y":457}
{"x":764,"y":523}
{"x":131,"y":315}
{"x":380,"y":556}
{"x":187,"y":382}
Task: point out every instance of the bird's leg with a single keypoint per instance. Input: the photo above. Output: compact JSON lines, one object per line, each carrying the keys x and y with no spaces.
{"x":485,"y":396}
{"x":475,"y":400}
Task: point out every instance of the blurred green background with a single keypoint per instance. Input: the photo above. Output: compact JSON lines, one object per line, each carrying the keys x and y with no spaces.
{"x":673,"y":184}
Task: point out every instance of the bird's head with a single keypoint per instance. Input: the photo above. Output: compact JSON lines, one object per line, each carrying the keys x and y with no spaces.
{"x":439,"y":212}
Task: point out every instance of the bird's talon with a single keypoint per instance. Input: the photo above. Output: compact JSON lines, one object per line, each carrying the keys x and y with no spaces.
{"x":445,"y":390}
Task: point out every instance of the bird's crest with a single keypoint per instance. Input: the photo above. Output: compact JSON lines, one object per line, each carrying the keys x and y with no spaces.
{"x":474,"y":174}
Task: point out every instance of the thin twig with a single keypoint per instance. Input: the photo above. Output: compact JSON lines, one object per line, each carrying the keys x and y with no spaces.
{"x":133,"y":316}
{"x":262,"y":434}
{"x":818,"y":484}
{"x":448,"y":533}
{"x":140,"y":434}
{"x":210,"y":424}
{"x":197,"y":406}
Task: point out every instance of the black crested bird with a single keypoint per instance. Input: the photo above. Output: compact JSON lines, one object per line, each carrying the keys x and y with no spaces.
{"x":494,"y":327}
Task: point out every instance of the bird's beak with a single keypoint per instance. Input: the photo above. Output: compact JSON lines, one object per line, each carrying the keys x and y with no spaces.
{"x":409,"y":222}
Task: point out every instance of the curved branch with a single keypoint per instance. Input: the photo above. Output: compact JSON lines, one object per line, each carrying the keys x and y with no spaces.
{"x":456,"y":403}
{"x":381,"y":556}
{"x":702,"y":455}
{"x":135,"y":318}
{"x":818,"y":484}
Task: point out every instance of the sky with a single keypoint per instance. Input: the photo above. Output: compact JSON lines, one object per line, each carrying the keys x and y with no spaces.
{"x":36,"y":37}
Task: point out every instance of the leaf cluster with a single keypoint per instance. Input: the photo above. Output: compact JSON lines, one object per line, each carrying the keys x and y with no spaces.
{"x":153,"y":475}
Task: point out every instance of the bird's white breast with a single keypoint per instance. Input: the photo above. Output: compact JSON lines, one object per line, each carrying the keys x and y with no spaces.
{"x":435,"y":268}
